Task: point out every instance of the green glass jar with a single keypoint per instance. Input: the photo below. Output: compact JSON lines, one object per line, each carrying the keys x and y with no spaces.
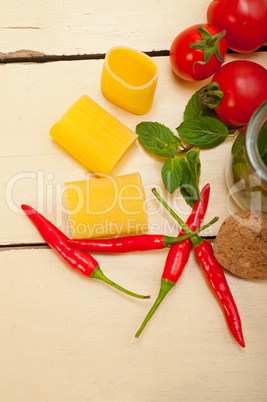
{"x":246,"y":170}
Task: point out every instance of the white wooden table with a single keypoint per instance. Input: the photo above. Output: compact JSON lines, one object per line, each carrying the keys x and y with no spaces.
{"x":64,"y":337}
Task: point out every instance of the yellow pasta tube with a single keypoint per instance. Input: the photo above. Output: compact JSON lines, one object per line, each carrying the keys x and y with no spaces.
{"x":92,"y":135}
{"x":129,"y":79}
{"x":108,"y":206}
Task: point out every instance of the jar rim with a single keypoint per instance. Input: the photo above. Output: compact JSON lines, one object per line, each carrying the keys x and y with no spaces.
{"x":255,"y":124}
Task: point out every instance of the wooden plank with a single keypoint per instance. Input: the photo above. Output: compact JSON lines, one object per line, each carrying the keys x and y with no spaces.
{"x":34,"y":168}
{"x":66,"y":337}
{"x":86,"y":27}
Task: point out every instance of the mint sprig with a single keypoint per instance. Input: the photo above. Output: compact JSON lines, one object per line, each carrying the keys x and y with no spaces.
{"x":200,"y":129}
{"x":182,"y":167}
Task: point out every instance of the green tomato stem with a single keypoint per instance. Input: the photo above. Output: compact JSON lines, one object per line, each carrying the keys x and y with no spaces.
{"x":209,"y":45}
{"x":211,"y":95}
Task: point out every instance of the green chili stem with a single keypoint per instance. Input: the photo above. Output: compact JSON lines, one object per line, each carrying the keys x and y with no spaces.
{"x":166,"y":286}
{"x":169,"y":240}
{"x":98,"y":274}
{"x":196,"y":240}
{"x":171,"y":211}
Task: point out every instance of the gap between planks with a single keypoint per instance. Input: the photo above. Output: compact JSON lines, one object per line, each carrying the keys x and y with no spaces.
{"x":23,"y":246}
{"x":26,"y":246}
{"x":32,"y":56}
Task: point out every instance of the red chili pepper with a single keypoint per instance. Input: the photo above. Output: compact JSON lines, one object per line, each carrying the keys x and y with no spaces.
{"x":218,"y":283}
{"x":178,"y":255}
{"x":77,"y":259}
{"x":133,"y":243}
{"x":215,"y":276}
{"x":123,"y":244}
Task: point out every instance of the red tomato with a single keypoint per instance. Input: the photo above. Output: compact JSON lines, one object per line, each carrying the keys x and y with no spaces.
{"x":244,"y":85}
{"x":192,"y":64}
{"x":245,"y":22}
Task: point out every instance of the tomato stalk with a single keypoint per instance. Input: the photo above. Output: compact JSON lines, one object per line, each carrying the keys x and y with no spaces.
{"x":211,"y":95}
{"x":209,"y":45}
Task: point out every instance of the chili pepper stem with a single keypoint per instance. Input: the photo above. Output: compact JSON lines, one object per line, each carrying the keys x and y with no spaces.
{"x":169,"y":241}
{"x":194,"y":238}
{"x":98,"y":274}
{"x":166,"y":286}
{"x":171,"y":211}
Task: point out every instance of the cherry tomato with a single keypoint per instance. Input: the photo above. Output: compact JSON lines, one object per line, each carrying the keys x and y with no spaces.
{"x":244,"y":85}
{"x":197,"y":52}
{"x":245,"y":22}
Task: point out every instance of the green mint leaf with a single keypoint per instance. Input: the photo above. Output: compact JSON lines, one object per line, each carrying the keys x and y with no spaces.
{"x":157,"y":138}
{"x":196,"y":108}
{"x":171,"y":174}
{"x":262,"y":143}
{"x":203,"y":132}
{"x":190,"y":179}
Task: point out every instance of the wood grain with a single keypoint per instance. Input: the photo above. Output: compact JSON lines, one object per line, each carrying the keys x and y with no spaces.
{"x":92,"y":27}
{"x":34,"y":167}
{"x":66,"y":337}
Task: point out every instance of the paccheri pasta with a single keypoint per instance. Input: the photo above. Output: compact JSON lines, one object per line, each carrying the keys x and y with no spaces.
{"x":92,"y":135}
{"x":107,"y":206}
